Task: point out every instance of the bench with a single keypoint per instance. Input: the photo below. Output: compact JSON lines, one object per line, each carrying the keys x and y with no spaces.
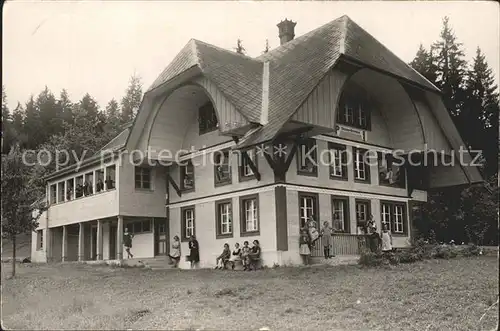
{"x":254,"y":263}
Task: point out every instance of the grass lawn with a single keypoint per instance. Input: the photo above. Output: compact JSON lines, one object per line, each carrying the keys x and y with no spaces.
{"x":429,"y":295}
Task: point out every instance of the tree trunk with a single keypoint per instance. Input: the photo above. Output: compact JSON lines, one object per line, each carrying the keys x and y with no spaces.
{"x":13,"y":255}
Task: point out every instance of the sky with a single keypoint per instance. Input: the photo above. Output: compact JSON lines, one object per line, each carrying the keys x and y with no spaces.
{"x":96,"y":46}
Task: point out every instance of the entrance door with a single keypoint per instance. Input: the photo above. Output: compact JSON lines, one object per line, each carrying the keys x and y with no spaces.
{"x":93,"y":239}
{"x":112,"y":242}
{"x":161,"y":237}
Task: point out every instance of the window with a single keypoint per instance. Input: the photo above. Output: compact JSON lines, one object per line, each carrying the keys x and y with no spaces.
{"x":354,"y":111}
{"x":39,"y":239}
{"x":222,"y":167}
{"x":340,"y":214}
{"x":60,"y":192}
{"x":88,"y":185}
{"x":53,"y":193}
{"x":394,"y":214}
{"x":388,"y":173}
{"x":143,"y":178}
{"x":246,"y":171}
{"x":99,"y":186}
{"x":139,"y":226}
{"x":79,"y":187}
{"x":224,"y":220}
{"x":361,"y":165}
{"x":249,"y":215}
{"x":207,"y":119}
{"x":187,"y":176}
{"x":307,"y":158}
{"x":362,"y":212}
{"x":187,"y":223}
{"x":308,"y":207}
{"x":110,"y":177}
{"x":338,"y":161}
{"x":69,"y":189}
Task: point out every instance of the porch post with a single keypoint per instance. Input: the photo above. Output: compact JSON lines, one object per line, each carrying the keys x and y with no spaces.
{"x":65,"y":243}
{"x":119,"y":238}
{"x":99,"y":240}
{"x":94,"y":182}
{"x":81,"y":245}
{"x":105,"y":178}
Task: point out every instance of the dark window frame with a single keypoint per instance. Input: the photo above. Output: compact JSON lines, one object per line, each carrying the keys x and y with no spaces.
{"x":243,"y":230}
{"x":343,"y":149}
{"x":142,"y":181}
{"x":39,"y":240}
{"x":315,"y":197}
{"x":357,"y":103}
{"x":53,"y":193}
{"x":182,"y":174}
{"x":218,"y":223}
{"x":401,"y":183}
{"x":132,"y":224}
{"x":241,"y":166}
{"x":392,"y":215}
{"x":309,"y":143}
{"x":225,"y":181}
{"x":347,"y":221}
{"x":192,"y":208}
{"x":207,"y":118}
{"x":366,"y":202}
{"x":365,"y":155}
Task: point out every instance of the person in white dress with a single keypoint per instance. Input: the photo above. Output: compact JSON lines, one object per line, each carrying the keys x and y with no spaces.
{"x":386,"y":238}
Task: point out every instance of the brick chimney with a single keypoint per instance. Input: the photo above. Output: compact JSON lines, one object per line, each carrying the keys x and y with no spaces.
{"x":286,"y":30}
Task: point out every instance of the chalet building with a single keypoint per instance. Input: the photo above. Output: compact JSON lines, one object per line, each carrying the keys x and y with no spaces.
{"x":232,"y":148}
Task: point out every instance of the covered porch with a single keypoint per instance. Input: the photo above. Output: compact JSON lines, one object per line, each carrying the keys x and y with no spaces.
{"x":103,"y":239}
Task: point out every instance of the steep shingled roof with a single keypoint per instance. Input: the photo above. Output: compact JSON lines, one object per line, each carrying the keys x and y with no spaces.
{"x":295,"y":69}
{"x":238,"y":77}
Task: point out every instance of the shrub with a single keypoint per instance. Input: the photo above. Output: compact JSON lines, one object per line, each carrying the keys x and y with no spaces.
{"x":393,"y":258}
{"x":370,"y":259}
{"x":409,"y":256}
{"x":444,"y":252}
{"x":471,"y":250}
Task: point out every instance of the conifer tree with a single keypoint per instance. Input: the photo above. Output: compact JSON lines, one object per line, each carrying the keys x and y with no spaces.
{"x":239,"y":47}
{"x":131,"y":102}
{"x":451,"y":68}
{"x":479,"y":120}
{"x":424,"y":64}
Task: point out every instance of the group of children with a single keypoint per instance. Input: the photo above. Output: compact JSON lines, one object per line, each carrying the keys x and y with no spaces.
{"x":309,"y":234}
{"x":246,"y":255}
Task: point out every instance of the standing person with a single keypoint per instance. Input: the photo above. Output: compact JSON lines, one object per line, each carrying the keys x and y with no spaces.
{"x":326,"y":238}
{"x":194,"y":251}
{"x":304,"y":242}
{"x":127,"y":242}
{"x":175,"y":252}
{"x":386,"y":239}
{"x":312,"y":228}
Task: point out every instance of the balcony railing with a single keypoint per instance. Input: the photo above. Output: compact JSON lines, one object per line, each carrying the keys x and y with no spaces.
{"x":343,"y":244}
